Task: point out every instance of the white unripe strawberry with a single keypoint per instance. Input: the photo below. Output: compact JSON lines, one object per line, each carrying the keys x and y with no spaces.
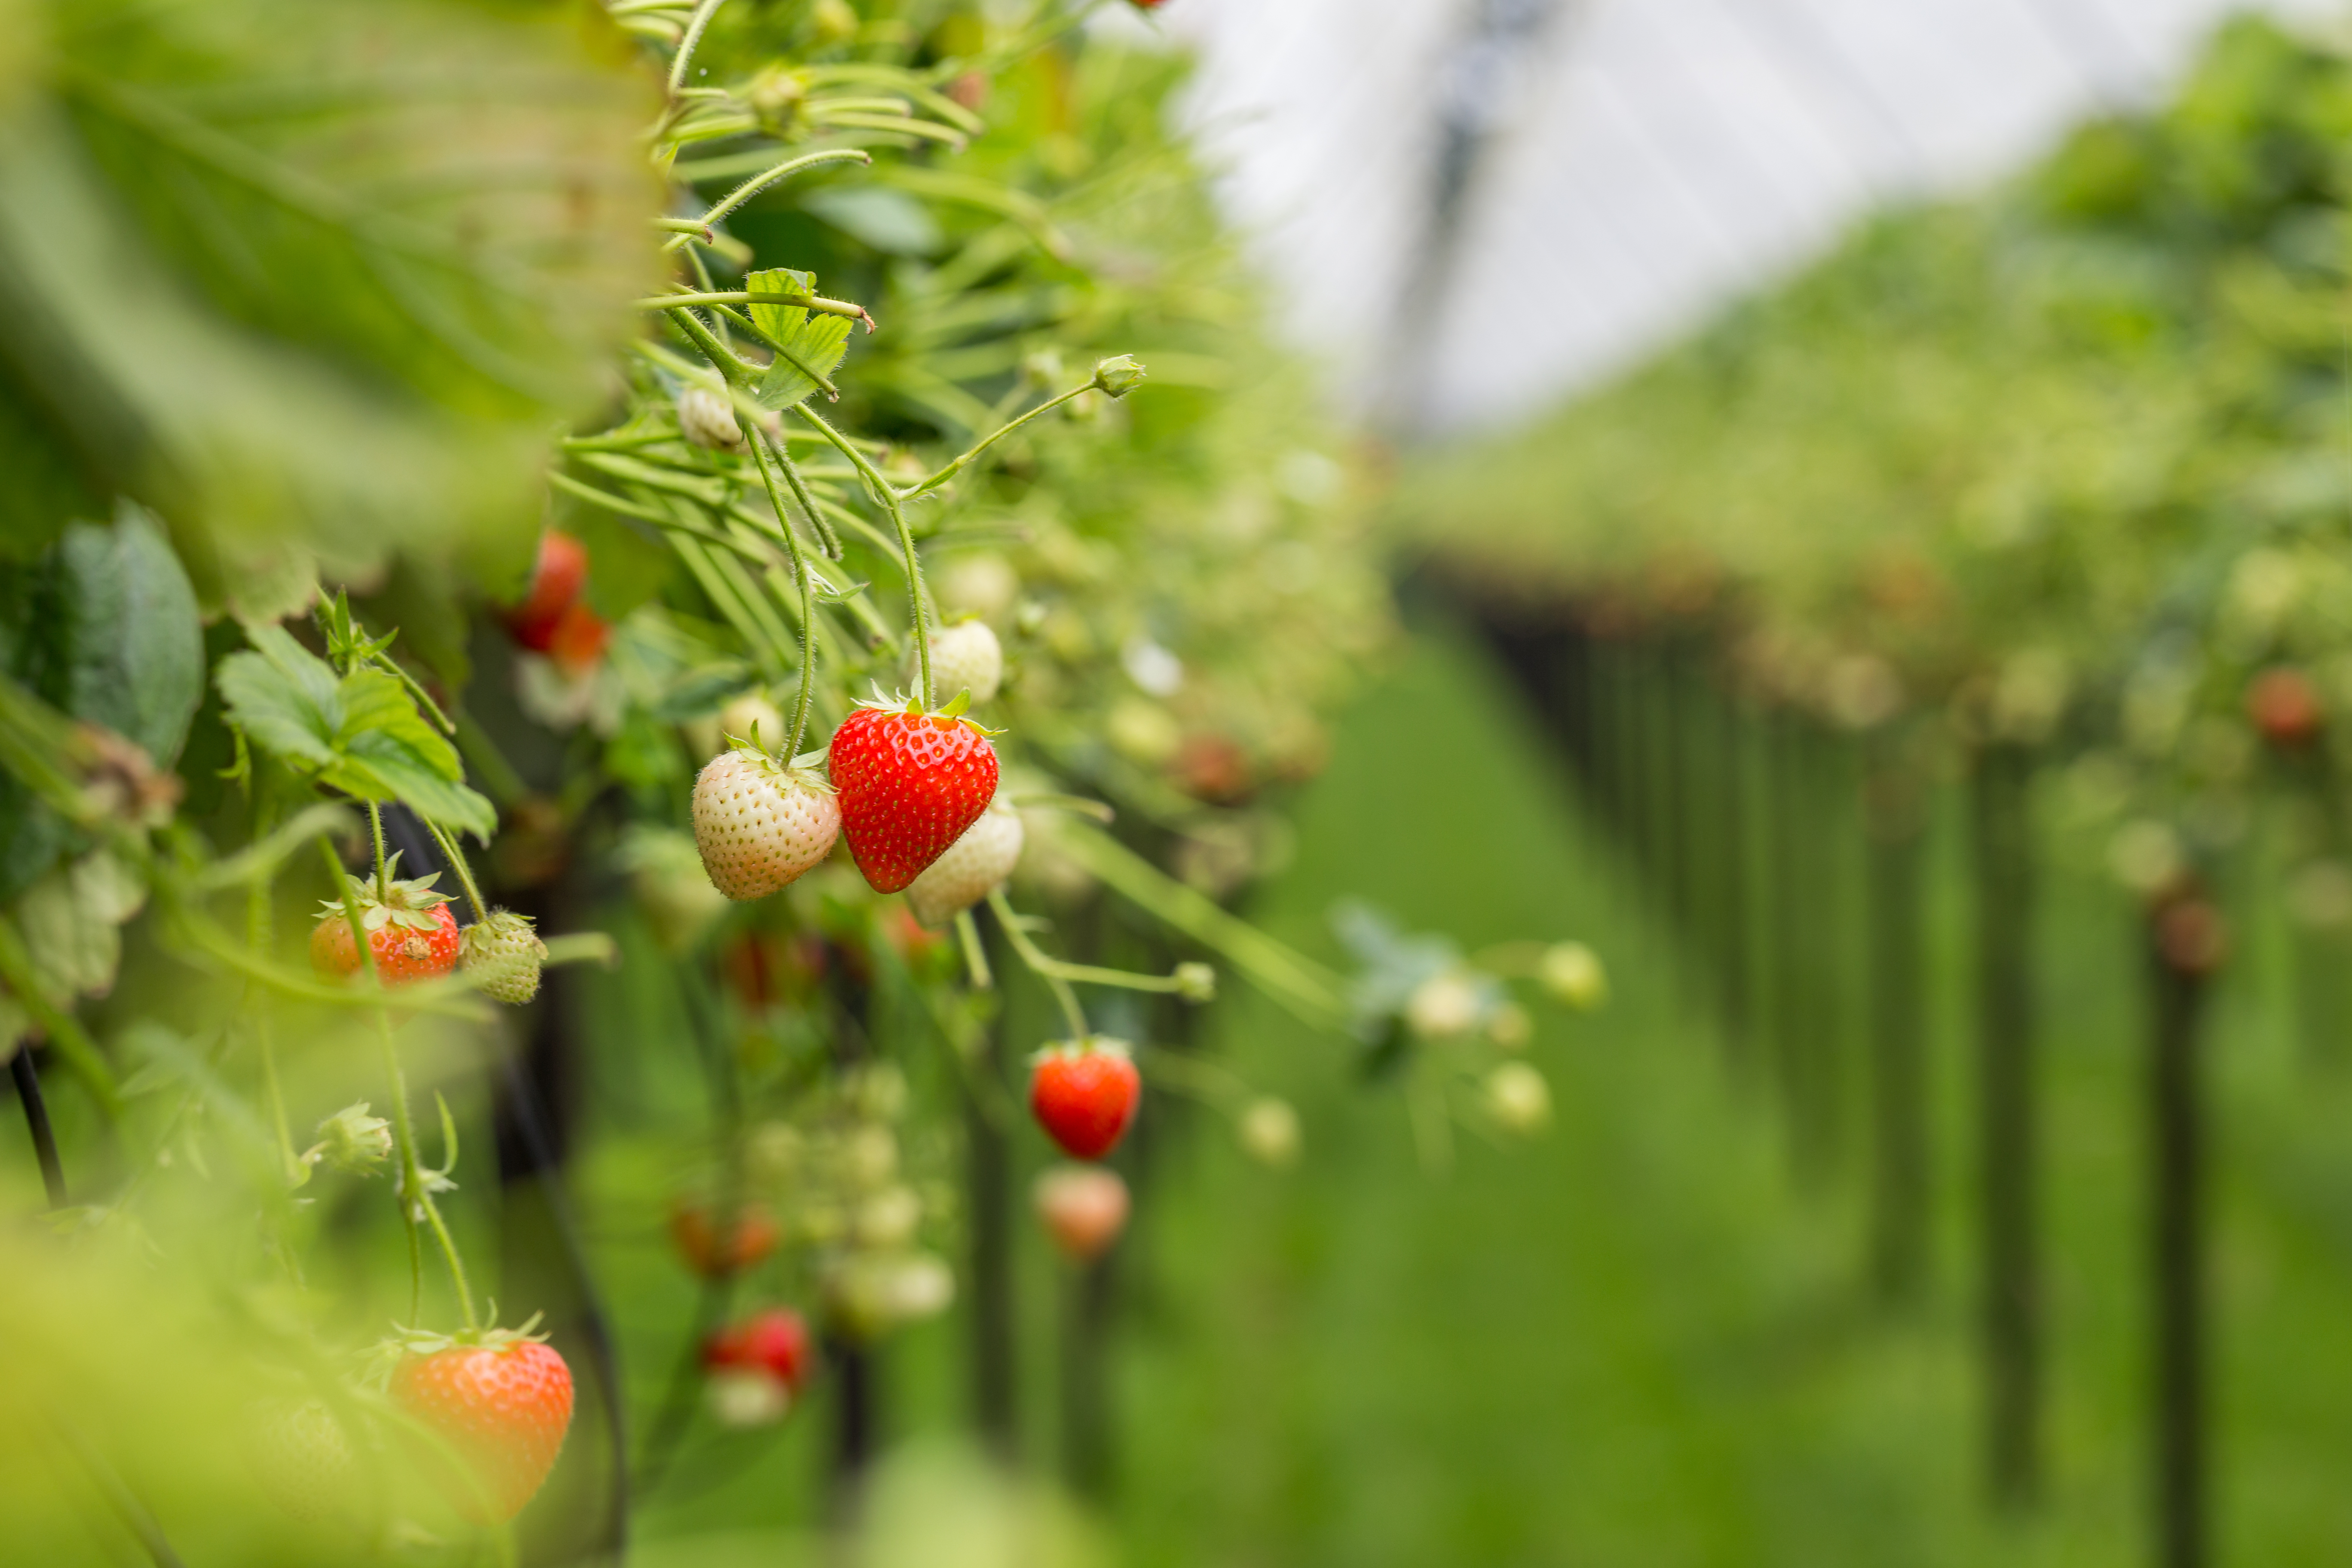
{"x":973,"y":864}
{"x":760,"y":824}
{"x":966,"y":656}
{"x":504,"y":954}
{"x":708,"y":419}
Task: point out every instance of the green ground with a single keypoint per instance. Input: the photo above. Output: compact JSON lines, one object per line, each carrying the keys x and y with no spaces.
{"x":1635,"y":1341}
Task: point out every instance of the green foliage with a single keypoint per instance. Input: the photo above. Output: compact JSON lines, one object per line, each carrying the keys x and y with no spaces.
{"x":286,"y":299}
{"x":360,"y":733}
{"x":2067,"y":462}
{"x":102,"y":626}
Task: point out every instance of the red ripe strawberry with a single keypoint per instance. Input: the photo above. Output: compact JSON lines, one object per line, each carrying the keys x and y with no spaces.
{"x":757,"y":1368}
{"x":503,"y":1405}
{"x":910,"y":783}
{"x":775,"y":1343}
{"x":2286,"y":707}
{"x":410,"y":930}
{"x":1084,"y":1207}
{"x":1085,"y":1095}
{"x":555,"y":585}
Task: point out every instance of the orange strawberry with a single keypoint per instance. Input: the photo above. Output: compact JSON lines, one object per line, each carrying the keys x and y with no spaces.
{"x":503,"y":1403}
{"x":410,"y":930}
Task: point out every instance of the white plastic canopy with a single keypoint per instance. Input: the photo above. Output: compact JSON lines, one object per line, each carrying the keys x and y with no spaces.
{"x":1629,"y":165}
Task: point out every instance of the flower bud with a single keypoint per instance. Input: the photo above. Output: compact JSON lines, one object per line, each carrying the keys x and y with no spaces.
{"x":1510,"y":1027}
{"x":1196,"y":982}
{"x":1517,"y":1098}
{"x":1269,"y":1132}
{"x":1443,"y":1006}
{"x":1572,"y":972}
{"x":1119,"y":374}
{"x":350,"y":1140}
{"x":708,"y":419}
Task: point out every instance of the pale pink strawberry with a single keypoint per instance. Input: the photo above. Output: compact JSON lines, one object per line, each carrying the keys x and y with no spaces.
{"x":1083,"y":1208}
{"x":972,"y":865}
{"x":760,"y":824}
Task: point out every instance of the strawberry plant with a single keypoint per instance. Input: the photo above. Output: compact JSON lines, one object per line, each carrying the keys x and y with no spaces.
{"x":642,"y":487}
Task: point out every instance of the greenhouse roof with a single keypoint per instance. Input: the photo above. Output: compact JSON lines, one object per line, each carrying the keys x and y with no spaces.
{"x":1629,"y":166}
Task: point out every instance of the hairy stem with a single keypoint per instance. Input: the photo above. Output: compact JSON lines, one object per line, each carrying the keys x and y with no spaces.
{"x":808,"y":593}
{"x":415,"y":1202}
{"x":679,"y":62}
{"x":456,"y":858}
{"x":918,"y":594}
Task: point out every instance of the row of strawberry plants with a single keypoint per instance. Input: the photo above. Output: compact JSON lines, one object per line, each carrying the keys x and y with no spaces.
{"x":2040,"y":495}
{"x":354,"y":609}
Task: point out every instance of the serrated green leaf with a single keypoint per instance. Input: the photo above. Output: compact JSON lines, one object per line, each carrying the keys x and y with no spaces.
{"x":276,"y":712}
{"x":376,"y":707}
{"x":385,"y":767}
{"x":805,"y":342}
{"x":361,"y":734}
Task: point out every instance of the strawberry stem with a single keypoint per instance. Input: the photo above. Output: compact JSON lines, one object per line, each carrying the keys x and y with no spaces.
{"x":1043,"y":967}
{"x":414,"y":1201}
{"x":383,"y":877}
{"x":801,"y":571}
{"x":1053,"y":969}
{"x":456,"y":858}
{"x":917,"y":595}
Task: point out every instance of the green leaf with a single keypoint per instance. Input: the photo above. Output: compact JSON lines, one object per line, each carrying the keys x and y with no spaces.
{"x":361,"y":734}
{"x":284,"y":698}
{"x":102,"y":627}
{"x":805,"y":342}
{"x":390,"y":752}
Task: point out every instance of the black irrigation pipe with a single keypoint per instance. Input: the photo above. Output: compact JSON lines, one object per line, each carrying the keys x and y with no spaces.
{"x":2009,"y":1146}
{"x":519,"y":1102}
{"x":27,"y":1078}
{"x":2183,"y":943}
{"x":1895,"y":826}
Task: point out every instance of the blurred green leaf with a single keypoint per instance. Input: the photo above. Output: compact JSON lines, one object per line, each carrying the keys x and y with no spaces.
{"x":317,"y":278}
{"x":103,"y":627}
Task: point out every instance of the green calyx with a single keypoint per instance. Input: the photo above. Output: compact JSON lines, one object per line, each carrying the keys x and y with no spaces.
{"x":1092,"y":1046}
{"x":408,"y":903}
{"x":912,"y":708}
{"x":407,"y":1341}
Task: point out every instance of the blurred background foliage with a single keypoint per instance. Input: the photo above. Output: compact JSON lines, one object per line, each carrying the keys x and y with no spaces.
{"x":347,"y":296}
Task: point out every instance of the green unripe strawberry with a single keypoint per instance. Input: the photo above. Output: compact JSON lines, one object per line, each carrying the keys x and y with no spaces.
{"x":504,"y":955}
